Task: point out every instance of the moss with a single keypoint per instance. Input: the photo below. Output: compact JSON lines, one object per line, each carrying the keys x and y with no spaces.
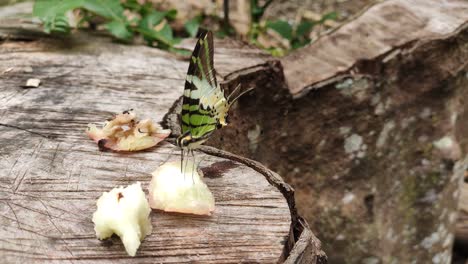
{"x":433,"y":179}
{"x":415,"y":187}
{"x":353,"y":248}
{"x":408,"y":198}
{"x":346,"y":84}
{"x":427,"y":150}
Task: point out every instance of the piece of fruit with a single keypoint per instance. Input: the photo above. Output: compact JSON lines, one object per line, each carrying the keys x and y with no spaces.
{"x":172,"y":191}
{"x":126,"y":133}
{"x":124,"y":212}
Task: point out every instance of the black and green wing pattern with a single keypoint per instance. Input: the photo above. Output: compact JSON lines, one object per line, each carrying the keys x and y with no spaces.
{"x":204,"y":105}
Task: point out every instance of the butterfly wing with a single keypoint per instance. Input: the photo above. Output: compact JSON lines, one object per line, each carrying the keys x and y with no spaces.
{"x":202,"y":94}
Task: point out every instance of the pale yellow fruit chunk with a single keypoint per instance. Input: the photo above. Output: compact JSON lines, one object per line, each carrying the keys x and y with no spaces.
{"x":172,"y":191}
{"x":124,"y":212}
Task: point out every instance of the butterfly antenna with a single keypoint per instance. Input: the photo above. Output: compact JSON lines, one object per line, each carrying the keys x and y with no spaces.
{"x":233,"y":92}
{"x":241,"y":94}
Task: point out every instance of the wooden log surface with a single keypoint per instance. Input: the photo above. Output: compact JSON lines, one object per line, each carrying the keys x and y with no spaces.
{"x":51,"y":174}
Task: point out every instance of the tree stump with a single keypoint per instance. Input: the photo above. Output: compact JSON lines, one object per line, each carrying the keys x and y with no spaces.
{"x":461,"y":234}
{"x":51,"y":173}
{"x":369,"y":124}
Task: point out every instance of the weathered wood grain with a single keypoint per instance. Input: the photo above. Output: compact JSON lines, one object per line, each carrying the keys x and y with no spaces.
{"x":51,"y":174}
{"x":374,"y":34}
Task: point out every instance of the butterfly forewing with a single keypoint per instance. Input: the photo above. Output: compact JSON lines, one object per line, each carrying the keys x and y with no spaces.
{"x":201,"y":90}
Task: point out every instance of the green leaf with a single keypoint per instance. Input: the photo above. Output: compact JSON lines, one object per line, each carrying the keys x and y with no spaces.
{"x":221,"y":34}
{"x":299,"y":43}
{"x":119,"y":30}
{"x":329,"y":16}
{"x":257,"y":11}
{"x":171,"y":14}
{"x":152,"y":19}
{"x":110,"y":9}
{"x":59,"y":24}
{"x":49,"y":9}
{"x":155,"y":17}
{"x":132,"y":5}
{"x":277,"y":52}
{"x":192,"y":26}
{"x":179,"y":51}
{"x":166,"y":33}
{"x":304,"y":28}
{"x":163,"y":36}
{"x":282,"y":27}
{"x":52,"y":13}
{"x":146,"y":8}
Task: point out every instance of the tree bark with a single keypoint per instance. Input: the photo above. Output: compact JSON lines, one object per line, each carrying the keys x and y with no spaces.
{"x":461,"y":234}
{"x":51,"y":173}
{"x":369,"y":124}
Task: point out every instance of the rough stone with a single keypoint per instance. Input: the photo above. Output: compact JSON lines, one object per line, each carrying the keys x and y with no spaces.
{"x":353,"y":143}
{"x":383,"y":136}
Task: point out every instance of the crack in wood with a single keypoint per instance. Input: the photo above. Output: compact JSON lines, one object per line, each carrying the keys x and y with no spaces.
{"x":29,"y":131}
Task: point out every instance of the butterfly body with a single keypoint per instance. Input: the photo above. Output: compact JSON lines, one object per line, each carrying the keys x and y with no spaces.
{"x":220,"y":113}
{"x":204,"y":105}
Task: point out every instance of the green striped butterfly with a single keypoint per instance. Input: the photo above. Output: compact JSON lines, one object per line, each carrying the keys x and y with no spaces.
{"x":204,"y":106}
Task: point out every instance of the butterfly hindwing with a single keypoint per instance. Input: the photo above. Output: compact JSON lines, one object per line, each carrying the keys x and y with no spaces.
{"x":202,"y":92}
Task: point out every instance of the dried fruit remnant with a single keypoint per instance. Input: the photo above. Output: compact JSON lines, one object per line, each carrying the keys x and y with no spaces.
{"x":125,"y":133}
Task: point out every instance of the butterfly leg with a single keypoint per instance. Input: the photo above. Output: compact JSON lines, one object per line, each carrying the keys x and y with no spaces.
{"x":168,"y":157}
{"x":186,"y":163}
{"x":181,"y":159}
{"x":200,"y":161}
{"x":193,"y":166}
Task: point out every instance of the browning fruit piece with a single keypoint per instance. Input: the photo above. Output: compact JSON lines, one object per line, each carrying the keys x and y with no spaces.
{"x":126,"y":133}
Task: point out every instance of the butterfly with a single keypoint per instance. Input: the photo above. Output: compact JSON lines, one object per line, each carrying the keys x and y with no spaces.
{"x":205,"y":108}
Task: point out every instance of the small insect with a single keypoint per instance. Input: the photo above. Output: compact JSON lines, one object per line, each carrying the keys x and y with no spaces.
{"x":205,"y":108}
